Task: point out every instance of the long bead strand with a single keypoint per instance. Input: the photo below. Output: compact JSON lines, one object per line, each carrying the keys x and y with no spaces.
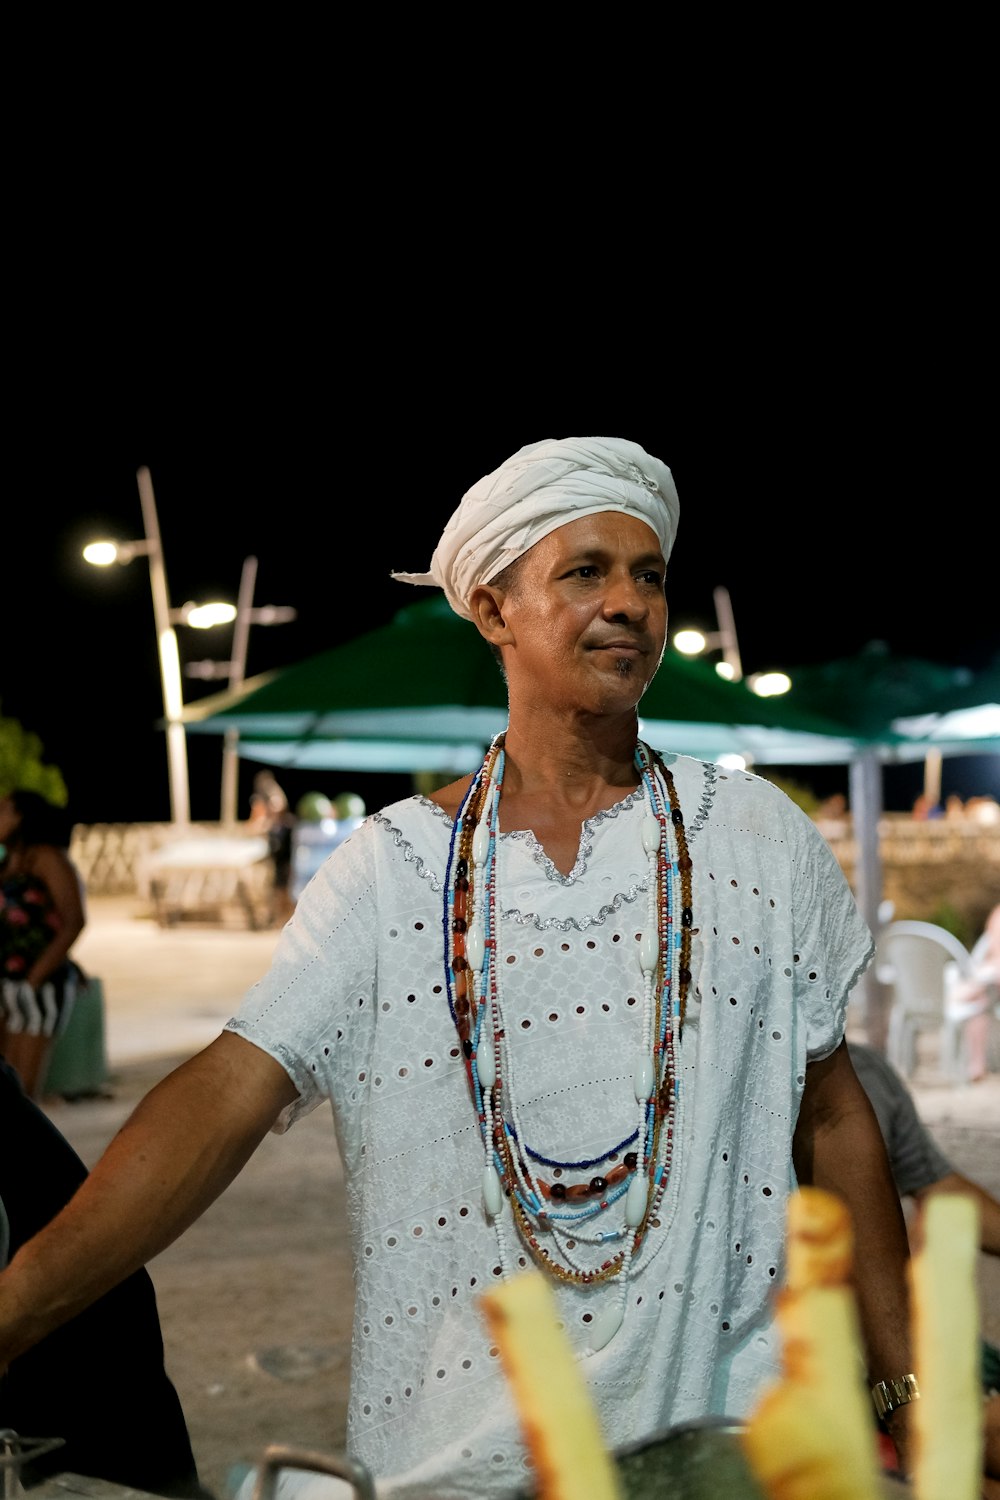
{"x":472,"y":936}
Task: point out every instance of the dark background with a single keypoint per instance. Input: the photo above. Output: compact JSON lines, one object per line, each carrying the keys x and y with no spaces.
{"x":318,"y":320}
{"x":830,"y":528}
{"x":315,"y":369}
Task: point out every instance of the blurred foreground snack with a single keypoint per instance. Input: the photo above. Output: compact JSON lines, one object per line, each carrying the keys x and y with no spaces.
{"x":819,"y":1240}
{"x":558,"y":1419}
{"x":811,"y":1435}
{"x":948,"y":1419}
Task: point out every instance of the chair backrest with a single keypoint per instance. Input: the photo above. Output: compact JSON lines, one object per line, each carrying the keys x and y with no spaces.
{"x":915,"y":958}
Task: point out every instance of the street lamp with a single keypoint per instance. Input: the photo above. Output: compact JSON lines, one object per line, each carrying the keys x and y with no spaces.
{"x":234,"y":670}
{"x":694,"y":642}
{"x":102,"y":554}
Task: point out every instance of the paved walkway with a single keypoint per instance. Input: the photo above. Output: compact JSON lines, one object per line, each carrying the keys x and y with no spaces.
{"x":168,"y":990}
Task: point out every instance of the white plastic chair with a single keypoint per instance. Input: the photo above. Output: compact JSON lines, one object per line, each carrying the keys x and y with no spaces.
{"x":921,"y":962}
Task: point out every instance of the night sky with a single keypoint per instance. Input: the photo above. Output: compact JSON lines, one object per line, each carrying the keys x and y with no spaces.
{"x":835,"y":512}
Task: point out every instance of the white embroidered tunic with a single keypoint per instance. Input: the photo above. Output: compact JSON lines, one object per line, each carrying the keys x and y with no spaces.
{"x":355,"y":1008}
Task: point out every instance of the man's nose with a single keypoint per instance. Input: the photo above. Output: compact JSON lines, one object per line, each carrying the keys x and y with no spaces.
{"x":625,"y":598}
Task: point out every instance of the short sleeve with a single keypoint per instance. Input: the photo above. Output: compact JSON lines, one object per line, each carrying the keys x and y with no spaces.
{"x":832,"y":941}
{"x":322,"y":976}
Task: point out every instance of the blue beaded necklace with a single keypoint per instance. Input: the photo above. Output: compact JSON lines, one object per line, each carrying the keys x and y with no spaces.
{"x":563,"y":1213}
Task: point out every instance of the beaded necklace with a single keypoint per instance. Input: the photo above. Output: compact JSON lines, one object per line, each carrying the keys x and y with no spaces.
{"x":567,"y":1216}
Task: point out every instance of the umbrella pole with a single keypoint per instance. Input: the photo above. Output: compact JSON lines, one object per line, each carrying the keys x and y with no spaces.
{"x":932,"y":777}
{"x":866,"y":811}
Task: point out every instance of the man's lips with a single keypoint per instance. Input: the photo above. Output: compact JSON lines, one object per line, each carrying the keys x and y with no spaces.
{"x":621,"y":646}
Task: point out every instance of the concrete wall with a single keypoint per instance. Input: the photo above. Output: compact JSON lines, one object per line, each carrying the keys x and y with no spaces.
{"x":944,"y":872}
{"x":941,"y":871}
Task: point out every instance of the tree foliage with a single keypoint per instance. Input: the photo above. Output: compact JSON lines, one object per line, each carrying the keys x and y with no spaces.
{"x":23,"y":767}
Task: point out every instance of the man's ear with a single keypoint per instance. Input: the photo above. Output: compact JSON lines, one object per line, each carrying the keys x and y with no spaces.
{"x":486,"y":604}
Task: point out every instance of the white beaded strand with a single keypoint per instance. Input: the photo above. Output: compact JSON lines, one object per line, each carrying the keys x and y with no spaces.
{"x":493,"y":1050}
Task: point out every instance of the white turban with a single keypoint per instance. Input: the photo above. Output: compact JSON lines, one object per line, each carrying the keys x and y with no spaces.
{"x":540,"y":487}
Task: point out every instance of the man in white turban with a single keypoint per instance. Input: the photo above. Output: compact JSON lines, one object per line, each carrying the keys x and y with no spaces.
{"x":581,"y":1012}
{"x":542,"y":486}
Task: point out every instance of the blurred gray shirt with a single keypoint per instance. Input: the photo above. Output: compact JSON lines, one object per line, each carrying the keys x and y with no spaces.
{"x":915,"y":1159}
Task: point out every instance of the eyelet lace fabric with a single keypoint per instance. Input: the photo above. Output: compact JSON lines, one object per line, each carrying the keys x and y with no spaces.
{"x":355,"y":1008}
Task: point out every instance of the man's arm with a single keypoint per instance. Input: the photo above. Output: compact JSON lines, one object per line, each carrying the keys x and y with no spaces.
{"x":838,"y":1146}
{"x":180,"y":1148}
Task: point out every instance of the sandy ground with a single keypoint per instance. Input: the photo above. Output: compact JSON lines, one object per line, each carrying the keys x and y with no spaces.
{"x":256,"y":1298}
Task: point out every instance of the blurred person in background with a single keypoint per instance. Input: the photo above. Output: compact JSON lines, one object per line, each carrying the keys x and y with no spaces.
{"x":983,"y":810}
{"x":42,"y":913}
{"x":920,"y":1169}
{"x":919,"y":1166}
{"x":980,"y":990}
{"x":271,"y":816}
{"x":832,"y":816}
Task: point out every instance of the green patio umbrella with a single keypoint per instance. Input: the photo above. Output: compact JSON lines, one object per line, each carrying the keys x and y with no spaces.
{"x":873,"y":689}
{"x":427,"y":682}
{"x":964,"y":720}
{"x":916,"y":709}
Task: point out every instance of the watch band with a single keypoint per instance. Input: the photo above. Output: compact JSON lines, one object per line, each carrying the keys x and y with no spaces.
{"x":889,"y":1394}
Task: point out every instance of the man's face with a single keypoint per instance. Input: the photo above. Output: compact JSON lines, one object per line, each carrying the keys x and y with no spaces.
{"x":588,"y":615}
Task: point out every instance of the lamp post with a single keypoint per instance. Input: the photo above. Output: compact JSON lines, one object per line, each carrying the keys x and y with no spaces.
{"x":235,"y":671}
{"x":693,"y":642}
{"x":237,"y":674}
{"x":170,"y":662}
{"x":101,"y":554}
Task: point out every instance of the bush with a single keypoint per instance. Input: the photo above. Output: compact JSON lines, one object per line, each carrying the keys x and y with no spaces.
{"x":947,"y":916}
{"x":22,"y":767}
{"x":802,"y":796}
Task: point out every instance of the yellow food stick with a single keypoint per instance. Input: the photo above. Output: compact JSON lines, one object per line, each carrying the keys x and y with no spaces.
{"x":560,"y":1425}
{"x":811,"y":1435}
{"x":948,"y":1418}
{"x":819,"y":1240}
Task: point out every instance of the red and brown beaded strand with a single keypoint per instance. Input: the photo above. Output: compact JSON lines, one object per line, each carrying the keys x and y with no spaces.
{"x":467,"y":1004}
{"x":463,"y":983}
{"x":667,"y":1087}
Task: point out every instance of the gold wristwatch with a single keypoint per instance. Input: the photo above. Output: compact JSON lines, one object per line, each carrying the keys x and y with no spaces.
{"x":890,"y":1394}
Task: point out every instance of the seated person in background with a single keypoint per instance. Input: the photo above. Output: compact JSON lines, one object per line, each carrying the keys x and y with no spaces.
{"x":832,"y":817}
{"x":981,"y":987}
{"x":984,"y":810}
{"x":920,"y":1168}
{"x":99,"y":1381}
